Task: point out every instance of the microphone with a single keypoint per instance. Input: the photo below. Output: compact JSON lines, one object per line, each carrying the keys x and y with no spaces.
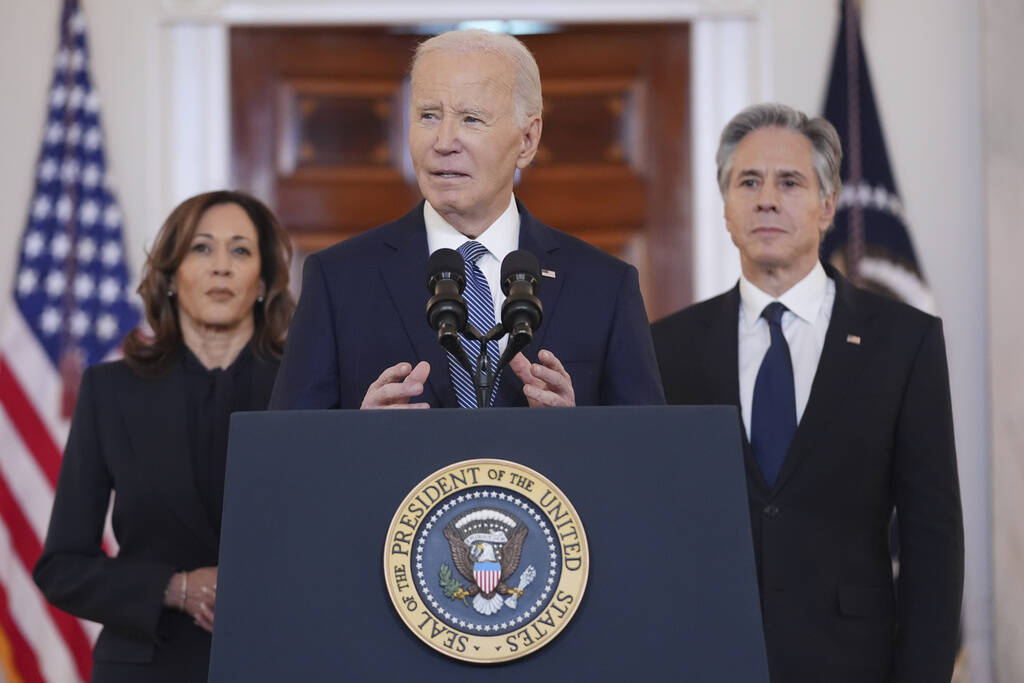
{"x":521,"y":313}
{"x":446,"y":309}
{"x":446,"y":278}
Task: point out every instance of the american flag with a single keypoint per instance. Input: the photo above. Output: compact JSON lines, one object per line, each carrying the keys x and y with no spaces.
{"x":73,"y":307}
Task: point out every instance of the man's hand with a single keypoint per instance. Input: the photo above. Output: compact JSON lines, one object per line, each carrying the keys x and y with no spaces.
{"x":396,"y":386}
{"x":545,"y":383}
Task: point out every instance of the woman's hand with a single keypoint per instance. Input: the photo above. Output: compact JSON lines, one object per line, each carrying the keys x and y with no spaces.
{"x":194,"y":593}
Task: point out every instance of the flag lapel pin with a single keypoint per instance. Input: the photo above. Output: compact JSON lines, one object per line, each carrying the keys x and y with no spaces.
{"x":853,"y":339}
{"x":547,"y":273}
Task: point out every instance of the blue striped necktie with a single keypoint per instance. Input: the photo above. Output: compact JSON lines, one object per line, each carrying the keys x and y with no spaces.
{"x":481,"y":314}
{"x":773,"y":414}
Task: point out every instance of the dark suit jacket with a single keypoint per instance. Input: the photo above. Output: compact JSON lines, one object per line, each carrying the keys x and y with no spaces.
{"x":877,"y":433}
{"x":129,"y":434}
{"x":363,"y":309}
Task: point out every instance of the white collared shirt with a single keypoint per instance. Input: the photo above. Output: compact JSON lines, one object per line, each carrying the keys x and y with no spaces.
{"x":500,"y":238}
{"x":804,"y":326}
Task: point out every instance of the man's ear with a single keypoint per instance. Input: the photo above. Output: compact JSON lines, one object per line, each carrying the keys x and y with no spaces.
{"x":531,"y":140}
{"x":828,"y":212}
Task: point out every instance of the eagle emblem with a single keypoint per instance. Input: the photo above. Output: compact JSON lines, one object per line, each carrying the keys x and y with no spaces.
{"x":486,"y":545}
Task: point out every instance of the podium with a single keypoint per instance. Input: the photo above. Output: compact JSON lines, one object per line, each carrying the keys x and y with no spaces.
{"x":671,"y":595}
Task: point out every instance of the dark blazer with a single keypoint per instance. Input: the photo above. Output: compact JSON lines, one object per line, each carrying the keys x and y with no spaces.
{"x":877,"y":433}
{"x":363,"y":309}
{"x":129,"y":435}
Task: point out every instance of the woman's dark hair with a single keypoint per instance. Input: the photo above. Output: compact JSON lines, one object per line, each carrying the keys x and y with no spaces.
{"x":152,"y":356}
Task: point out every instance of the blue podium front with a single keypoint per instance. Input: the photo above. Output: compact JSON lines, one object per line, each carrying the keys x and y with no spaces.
{"x":313,"y":508}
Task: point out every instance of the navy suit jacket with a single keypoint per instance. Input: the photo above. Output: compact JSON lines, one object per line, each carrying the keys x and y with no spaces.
{"x":363,"y":309}
{"x":877,"y":434}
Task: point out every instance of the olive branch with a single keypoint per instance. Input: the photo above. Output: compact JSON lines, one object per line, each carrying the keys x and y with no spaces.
{"x":452,"y":588}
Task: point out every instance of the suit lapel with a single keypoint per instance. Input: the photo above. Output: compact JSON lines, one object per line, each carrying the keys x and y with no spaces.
{"x":154,"y":416}
{"x":539,"y":240}
{"x":720,"y":356}
{"x":840,"y":364}
{"x":720,"y":360}
{"x":404,"y":274}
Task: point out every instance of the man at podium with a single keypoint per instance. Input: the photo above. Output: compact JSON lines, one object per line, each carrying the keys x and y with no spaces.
{"x":360,"y":336}
{"x":844,"y":397}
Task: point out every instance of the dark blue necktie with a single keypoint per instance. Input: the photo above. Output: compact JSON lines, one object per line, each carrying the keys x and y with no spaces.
{"x":773,"y":415}
{"x":481,"y":314}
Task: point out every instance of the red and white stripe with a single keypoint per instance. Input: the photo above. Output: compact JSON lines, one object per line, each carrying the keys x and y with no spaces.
{"x":46,"y":644}
{"x":487,"y":579}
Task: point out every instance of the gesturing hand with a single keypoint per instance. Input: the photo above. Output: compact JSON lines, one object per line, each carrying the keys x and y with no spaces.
{"x":545,"y":383}
{"x":396,"y":385}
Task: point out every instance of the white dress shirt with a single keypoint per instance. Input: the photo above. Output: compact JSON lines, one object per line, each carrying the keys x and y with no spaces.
{"x":500,"y":238}
{"x":804,"y":326}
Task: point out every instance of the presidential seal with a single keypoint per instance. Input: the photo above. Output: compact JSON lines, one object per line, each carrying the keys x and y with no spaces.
{"x":486,"y":561}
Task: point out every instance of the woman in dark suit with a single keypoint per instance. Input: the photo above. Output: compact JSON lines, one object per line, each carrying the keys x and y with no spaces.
{"x":152,"y":428}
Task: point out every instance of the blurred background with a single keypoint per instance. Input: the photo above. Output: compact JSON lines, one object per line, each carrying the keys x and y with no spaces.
{"x":303,"y":104}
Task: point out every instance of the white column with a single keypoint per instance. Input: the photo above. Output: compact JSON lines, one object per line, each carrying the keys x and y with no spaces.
{"x":195,"y":112}
{"x":725,"y":79}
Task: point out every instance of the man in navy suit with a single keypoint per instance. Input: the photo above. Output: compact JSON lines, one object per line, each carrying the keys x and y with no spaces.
{"x":844,"y":399}
{"x":360,"y":337}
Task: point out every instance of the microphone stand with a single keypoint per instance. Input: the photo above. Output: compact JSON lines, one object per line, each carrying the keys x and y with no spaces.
{"x":482,"y":374}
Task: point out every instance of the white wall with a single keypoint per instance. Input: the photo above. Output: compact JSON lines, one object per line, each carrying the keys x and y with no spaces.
{"x":924,"y":58}
{"x":27,"y":40}
{"x":1002,"y":21}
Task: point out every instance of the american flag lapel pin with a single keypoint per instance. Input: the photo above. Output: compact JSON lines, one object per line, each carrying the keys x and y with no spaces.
{"x":853,"y":339}
{"x":545,"y":272}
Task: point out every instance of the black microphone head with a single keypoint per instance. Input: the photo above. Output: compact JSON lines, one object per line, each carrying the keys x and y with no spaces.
{"x":520,"y":265}
{"x":446,"y":264}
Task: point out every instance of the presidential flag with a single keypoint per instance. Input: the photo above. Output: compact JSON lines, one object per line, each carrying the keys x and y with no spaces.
{"x":72,"y":307}
{"x":870,"y":242}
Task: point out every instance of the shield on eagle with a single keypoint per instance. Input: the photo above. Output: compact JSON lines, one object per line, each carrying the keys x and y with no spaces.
{"x":487,"y":575}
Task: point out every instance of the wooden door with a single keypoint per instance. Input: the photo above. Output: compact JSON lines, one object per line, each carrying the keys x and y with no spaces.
{"x":319,"y":120}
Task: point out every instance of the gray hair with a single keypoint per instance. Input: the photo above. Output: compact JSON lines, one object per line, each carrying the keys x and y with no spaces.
{"x":827,"y":151}
{"x":527,"y":93}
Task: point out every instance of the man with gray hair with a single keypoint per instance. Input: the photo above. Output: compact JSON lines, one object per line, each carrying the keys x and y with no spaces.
{"x":360,"y":337}
{"x":845,"y":408}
